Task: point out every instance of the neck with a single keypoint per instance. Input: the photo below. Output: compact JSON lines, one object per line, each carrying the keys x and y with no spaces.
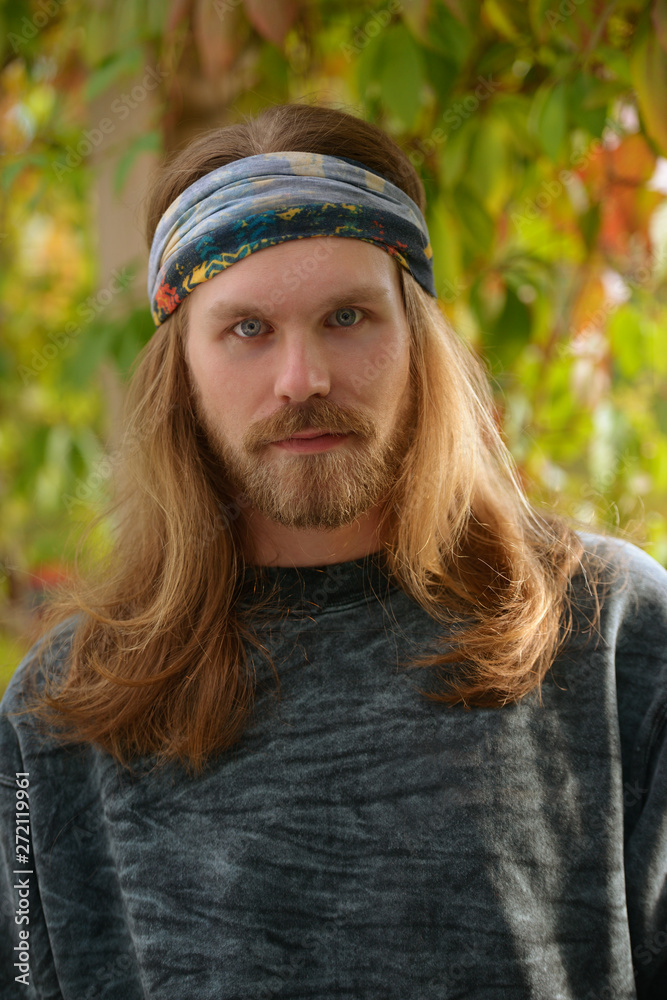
{"x":268,"y":543}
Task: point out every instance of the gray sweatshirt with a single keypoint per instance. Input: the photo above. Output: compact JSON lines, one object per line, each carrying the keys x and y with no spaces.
{"x":360,"y":841}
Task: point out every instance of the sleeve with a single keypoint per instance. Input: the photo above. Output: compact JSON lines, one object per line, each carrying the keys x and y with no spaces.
{"x":646,"y":860}
{"x":641,"y":668}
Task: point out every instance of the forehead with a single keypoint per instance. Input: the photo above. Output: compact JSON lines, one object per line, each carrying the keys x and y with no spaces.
{"x":310,"y":271}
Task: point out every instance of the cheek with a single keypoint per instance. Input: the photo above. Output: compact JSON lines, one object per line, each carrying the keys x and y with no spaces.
{"x":382,"y":377}
{"x":229,"y":398}
{"x":208,"y":380}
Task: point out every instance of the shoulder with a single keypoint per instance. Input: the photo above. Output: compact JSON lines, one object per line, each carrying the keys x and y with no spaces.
{"x":617,"y":553}
{"x":633,"y":630}
{"x":22,"y":736}
{"x":631,"y":585}
{"x":632,"y":589}
{"x":45,"y":661}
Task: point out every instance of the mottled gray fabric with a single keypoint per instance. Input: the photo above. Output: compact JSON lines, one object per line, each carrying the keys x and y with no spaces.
{"x":361,"y":841}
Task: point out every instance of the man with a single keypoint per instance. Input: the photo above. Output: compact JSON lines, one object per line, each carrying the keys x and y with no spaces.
{"x":460,"y":790}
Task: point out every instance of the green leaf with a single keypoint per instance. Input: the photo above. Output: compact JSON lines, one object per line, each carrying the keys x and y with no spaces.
{"x":11,"y":170}
{"x":494,"y":61}
{"x":38,"y":195}
{"x":156,"y":16}
{"x":79,"y":367}
{"x":127,"y":20}
{"x":443,"y":227}
{"x":441,"y":74}
{"x":456,"y":151}
{"x":538,"y":10}
{"x":552,"y":124}
{"x":627,"y":342}
{"x":16,"y":38}
{"x":588,"y":101}
{"x":514,"y":110}
{"x":401,"y":74}
{"x":478,"y":229}
{"x":7,"y":363}
{"x":616,"y":63}
{"x":589,"y":224}
{"x":488,"y":161}
{"x":447,"y":35}
{"x":111,"y":69}
{"x":648,"y":65}
{"x":510,"y":18}
{"x":275,"y":70}
{"x":511,"y":332}
{"x":129,"y":336}
{"x":149,"y":142}
{"x":369,"y":67}
{"x":661,"y":413}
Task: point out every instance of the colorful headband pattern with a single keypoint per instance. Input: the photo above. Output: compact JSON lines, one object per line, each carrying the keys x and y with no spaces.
{"x":258,"y":201}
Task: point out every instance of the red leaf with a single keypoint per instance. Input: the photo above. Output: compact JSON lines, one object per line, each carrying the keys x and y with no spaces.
{"x":633,"y":161}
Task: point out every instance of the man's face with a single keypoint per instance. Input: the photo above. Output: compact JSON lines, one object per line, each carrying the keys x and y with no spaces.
{"x":287,"y":341}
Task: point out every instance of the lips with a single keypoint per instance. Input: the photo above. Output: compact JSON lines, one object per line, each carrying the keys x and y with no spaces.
{"x":305,"y":435}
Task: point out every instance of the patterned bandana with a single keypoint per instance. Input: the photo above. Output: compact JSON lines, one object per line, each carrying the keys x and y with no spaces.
{"x":258,"y":201}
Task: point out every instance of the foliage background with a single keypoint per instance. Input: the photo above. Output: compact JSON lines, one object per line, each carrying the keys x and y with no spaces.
{"x":538,"y":128}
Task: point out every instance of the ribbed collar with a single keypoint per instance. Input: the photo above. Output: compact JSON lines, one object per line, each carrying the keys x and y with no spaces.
{"x":319,"y":588}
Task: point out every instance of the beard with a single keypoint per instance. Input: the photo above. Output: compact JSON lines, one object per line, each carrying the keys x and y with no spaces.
{"x":324,"y":490}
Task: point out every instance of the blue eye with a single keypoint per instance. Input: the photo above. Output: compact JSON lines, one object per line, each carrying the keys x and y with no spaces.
{"x":254,"y":322}
{"x":253,"y":325}
{"x":347,"y":311}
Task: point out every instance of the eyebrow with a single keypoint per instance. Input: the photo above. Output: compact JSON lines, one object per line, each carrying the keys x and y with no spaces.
{"x":225,"y":308}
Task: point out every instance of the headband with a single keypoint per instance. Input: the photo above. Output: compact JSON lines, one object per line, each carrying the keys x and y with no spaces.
{"x":258,"y":201}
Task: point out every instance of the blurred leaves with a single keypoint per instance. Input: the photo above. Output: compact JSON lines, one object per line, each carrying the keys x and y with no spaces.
{"x":537,"y":129}
{"x":148,"y":142}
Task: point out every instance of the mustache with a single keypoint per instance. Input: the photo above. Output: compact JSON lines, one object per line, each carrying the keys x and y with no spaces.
{"x":318,"y":415}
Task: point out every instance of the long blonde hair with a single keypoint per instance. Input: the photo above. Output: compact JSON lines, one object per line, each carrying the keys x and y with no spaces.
{"x":159,"y":662}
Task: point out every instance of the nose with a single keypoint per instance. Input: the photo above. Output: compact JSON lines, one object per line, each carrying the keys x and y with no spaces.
{"x":302,"y":368}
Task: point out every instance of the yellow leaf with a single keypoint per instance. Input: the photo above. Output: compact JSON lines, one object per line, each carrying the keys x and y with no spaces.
{"x":648,"y":69}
